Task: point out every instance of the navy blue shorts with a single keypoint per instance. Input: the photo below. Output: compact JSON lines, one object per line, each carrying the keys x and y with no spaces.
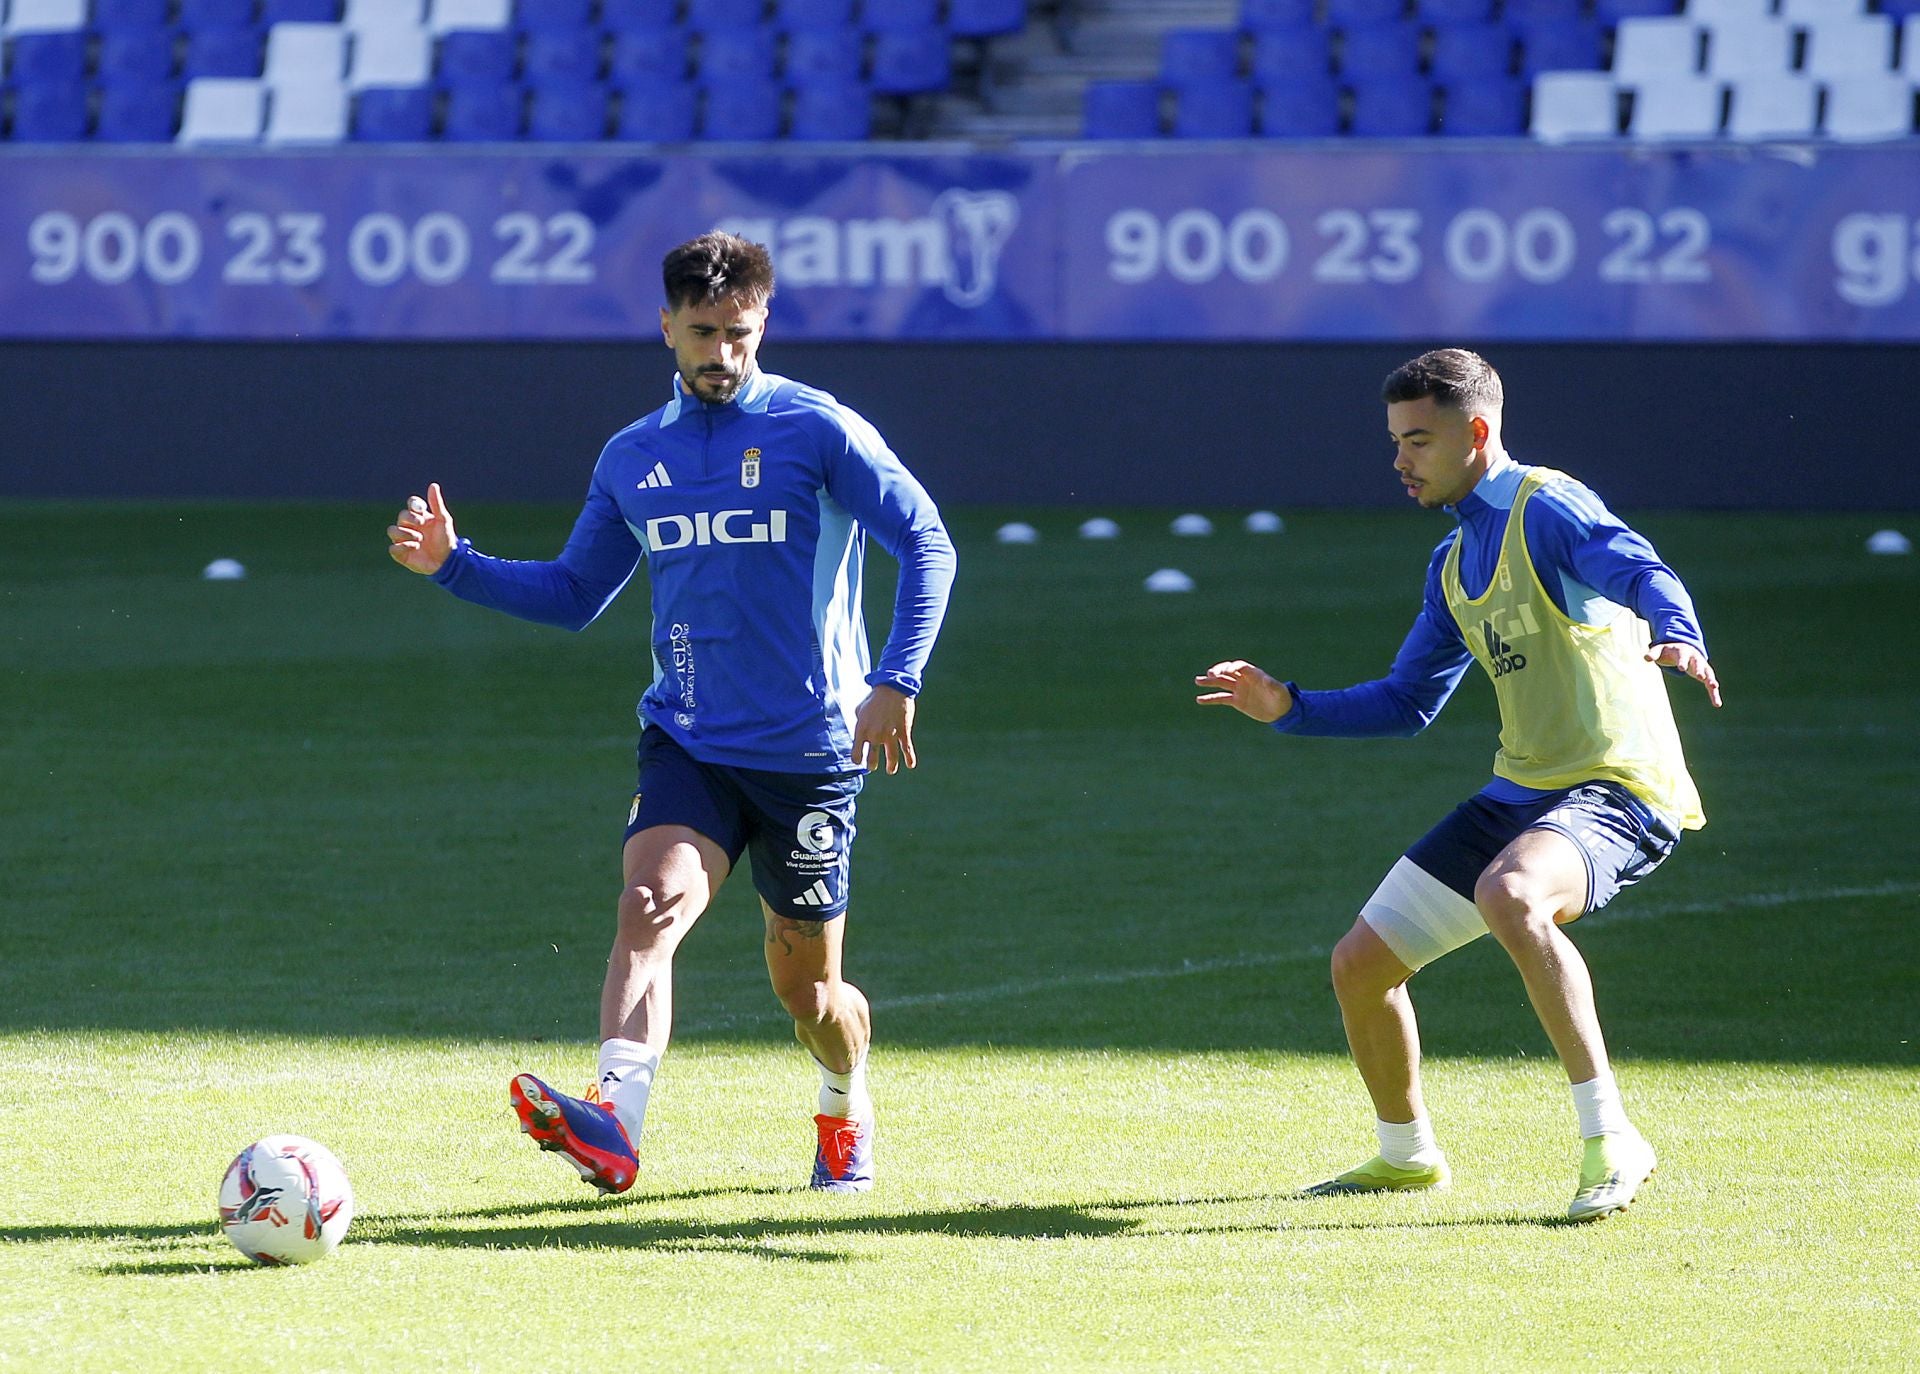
{"x":1621,"y":837}
{"x":798,"y":826}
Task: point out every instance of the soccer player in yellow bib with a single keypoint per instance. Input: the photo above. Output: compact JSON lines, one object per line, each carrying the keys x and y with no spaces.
{"x":1573,"y":615}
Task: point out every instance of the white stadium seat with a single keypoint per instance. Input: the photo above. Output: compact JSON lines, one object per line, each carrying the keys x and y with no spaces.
{"x":1910,"y":46}
{"x":445,"y":15}
{"x":1862,"y":46}
{"x":45,"y":16}
{"x":384,"y":14}
{"x":1820,"y":11}
{"x":391,"y":57}
{"x":1573,"y":105}
{"x":1646,"y":49}
{"x":311,"y":112}
{"x":1676,"y":107}
{"x":1761,"y":47}
{"x":1783,"y":105}
{"x":219,"y":110}
{"x":1865,"y":109}
{"x":1728,"y":11}
{"x":298,"y":53}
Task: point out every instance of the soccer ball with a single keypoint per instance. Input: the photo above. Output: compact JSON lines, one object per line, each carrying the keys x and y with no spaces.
{"x":285,"y":1200}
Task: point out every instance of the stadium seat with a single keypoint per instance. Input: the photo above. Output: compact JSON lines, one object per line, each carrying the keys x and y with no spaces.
{"x":467,"y":55}
{"x":1784,"y":105}
{"x":1305,"y":107}
{"x":50,"y":111}
{"x":1484,"y":109}
{"x":736,"y":55}
{"x":813,"y":14}
{"x":567,"y":112}
{"x":383,"y":14}
{"x":911,"y":61}
{"x":887,"y":15}
{"x":138,"y":112}
{"x":125,"y":16}
{"x":1257,"y":16}
{"x":824,"y":56}
{"x":393,"y":114}
{"x":641,"y":55}
{"x":215,"y":14}
{"x":832,"y":112}
{"x":549,"y":16}
{"x":1120,"y":109}
{"x":1910,"y":46}
{"x":1854,"y":47}
{"x":135,"y":55}
{"x":1281,"y":55}
{"x":1574,"y":105}
{"x":306,"y":112}
{"x":232,"y":54}
{"x":1391,"y":109}
{"x":302,"y":53}
{"x":1761,"y":47}
{"x":1573,"y":45}
{"x":740,"y":112}
{"x":299,"y":12}
{"x":658,"y":112}
{"x":637,"y":16}
{"x":985,"y":18}
{"x":1213,"y":109}
{"x":1464,"y":52}
{"x":46,"y":57}
{"x":1821,"y":11}
{"x":1676,"y":107}
{"x":444,"y":16}
{"x":1188,"y":56}
{"x":1654,"y":49}
{"x":483,"y":114}
{"x":390,"y":57}
{"x":713,"y":16}
{"x":1377,"y":52}
{"x":1342,"y":14}
{"x":563,"y":57}
{"x":1613,"y":11}
{"x":1443,"y":14}
{"x":1521,"y":13}
{"x":1868,"y":109}
{"x":222,"y":110}
{"x":1708,"y":12}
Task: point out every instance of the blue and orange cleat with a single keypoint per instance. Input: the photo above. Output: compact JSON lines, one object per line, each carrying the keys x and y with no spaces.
{"x":844,"y":1161}
{"x":587,"y":1133}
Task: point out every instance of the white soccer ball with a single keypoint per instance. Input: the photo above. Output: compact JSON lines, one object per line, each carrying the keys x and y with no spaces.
{"x":285,"y":1200}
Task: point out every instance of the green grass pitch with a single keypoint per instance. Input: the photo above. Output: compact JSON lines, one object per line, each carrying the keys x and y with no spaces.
{"x":325,"y":851}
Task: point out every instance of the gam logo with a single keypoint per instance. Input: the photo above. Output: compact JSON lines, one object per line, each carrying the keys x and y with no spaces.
{"x":955,"y":246}
{"x":665,"y":532}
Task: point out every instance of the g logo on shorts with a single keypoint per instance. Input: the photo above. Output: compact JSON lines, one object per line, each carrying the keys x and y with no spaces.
{"x":815,"y":833}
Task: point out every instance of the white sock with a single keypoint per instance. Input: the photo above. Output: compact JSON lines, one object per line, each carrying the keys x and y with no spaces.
{"x":1407,"y":1143}
{"x":845,"y":1094}
{"x":627,"y":1068}
{"x":1597,"y":1103}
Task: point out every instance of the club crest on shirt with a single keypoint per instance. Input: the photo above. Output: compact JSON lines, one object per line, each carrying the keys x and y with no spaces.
{"x":750,"y":468}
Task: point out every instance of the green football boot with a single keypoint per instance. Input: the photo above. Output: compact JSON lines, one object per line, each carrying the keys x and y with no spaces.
{"x":1611,"y":1172}
{"x":1378,"y":1176}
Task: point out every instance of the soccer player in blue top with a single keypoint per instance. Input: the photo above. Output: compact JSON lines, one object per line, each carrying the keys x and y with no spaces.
{"x":749,"y":498}
{"x":1572,"y":615}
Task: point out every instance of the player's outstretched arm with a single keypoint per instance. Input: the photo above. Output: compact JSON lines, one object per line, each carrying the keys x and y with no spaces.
{"x":1246,"y":689}
{"x":883,"y":728}
{"x":421,"y":537}
{"x":1689,"y":660}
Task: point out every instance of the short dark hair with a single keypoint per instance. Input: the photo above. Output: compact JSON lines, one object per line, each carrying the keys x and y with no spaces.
{"x":1454,"y":378}
{"x":717,"y":266}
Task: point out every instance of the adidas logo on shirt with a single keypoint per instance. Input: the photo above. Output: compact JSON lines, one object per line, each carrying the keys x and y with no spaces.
{"x":817,"y":895}
{"x":1504,"y":659}
{"x":657,"y":478}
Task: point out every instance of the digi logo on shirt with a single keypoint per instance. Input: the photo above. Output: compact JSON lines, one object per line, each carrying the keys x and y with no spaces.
{"x":666,"y":532}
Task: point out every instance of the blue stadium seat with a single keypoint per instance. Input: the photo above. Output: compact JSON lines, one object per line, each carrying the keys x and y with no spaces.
{"x":1391,"y":109}
{"x":888,"y":15}
{"x":135,"y":55}
{"x":393,"y":114}
{"x":824,"y":56}
{"x":483,"y":114}
{"x":1484,"y":109}
{"x":561,"y":56}
{"x":658,"y":112}
{"x":1522,"y":12}
{"x":640,"y":56}
{"x":1379,"y":51}
{"x":1257,"y":16}
{"x":50,"y":112}
{"x":832,"y":112}
{"x":47,"y":58}
{"x":222,"y":52}
{"x":741,"y":112}
{"x":1613,"y":11}
{"x":1305,"y":107}
{"x":1214,"y":109}
{"x":985,"y":18}
{"x":638,"y":16}
{"x":299,"y":12}
{"x":120,"y":16}
{"x":1440,"y":13}
{"x":736,"y":55}
{"x":138,"y":112}
{"x":1898,"y":9}
{"x":708,"y":16}
{"x":215,"y":14}
{"x":1290,"y":54}
{"x":545,"y":16}
{"x":569,"y":112}
{"x":1345,"y":14}
{"x":813,"y":14}
{"x":1469,"y":51}
{"x":1188,"y":56}
{"x":911,"y":61}
{"x":1568,"y":45}
{"x":476,"y":57}
{"x":1121,"y":109}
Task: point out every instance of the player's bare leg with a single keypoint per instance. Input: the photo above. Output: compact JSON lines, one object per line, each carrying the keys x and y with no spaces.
{"x":832,"y":1020}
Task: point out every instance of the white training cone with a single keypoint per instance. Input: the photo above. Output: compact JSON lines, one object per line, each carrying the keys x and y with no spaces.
{"x":1018,"y":532}
{"x":1192,"y":525}
{"x":1169,"y":580}
{"x":1889,"y":541}
{"x":1099,"y":528}
{"x":223,"y":570}
{"x":1264,"y":522}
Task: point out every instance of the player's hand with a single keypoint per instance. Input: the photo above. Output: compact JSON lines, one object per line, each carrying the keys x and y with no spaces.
{"x":1246,"y":689}
{"x":421,"y":536}
{"x":1689,"y":660}
{"x":883,"y":727}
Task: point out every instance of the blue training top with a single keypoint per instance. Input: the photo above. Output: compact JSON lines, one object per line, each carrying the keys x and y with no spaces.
{"x":1589,"y":562}
{"x":752,"y":518}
